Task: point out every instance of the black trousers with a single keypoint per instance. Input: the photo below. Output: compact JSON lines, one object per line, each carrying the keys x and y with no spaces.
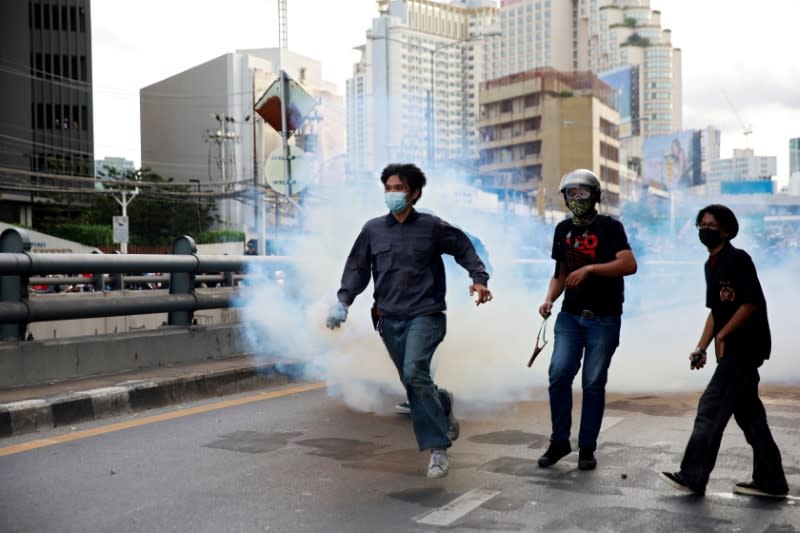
{"x":733,"y":391}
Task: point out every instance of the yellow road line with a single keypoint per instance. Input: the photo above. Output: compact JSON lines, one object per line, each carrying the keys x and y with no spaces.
{"x":78,"y":435}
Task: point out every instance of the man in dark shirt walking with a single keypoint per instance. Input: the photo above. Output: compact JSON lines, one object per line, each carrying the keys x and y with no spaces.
{"x":592,"y":255}
{"x":402,"y":252}
{"x":738,"y":325}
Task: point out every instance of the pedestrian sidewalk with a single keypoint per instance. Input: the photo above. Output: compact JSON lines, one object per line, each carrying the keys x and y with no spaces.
{"x":29,"y":409}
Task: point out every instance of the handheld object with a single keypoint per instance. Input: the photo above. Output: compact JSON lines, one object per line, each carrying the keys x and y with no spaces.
{"x":543,"y":336}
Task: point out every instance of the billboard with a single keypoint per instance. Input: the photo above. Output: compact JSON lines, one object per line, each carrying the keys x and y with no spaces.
{"x":672,"y":160}
{"x":747,"y":187}
{"x":623,"y":81}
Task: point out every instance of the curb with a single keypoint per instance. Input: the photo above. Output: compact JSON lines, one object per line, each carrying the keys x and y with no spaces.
{"x":28,"y":416}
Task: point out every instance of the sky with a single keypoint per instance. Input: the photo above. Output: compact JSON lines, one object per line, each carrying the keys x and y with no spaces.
{"x":739,"y":61}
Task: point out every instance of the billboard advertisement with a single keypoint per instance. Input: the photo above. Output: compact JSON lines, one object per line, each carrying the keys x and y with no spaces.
{"x":747,"y":187}
{"x":623,"y":81}
{"x":672,"y":160}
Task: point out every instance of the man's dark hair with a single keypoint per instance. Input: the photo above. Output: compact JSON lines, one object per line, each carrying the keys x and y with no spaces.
{"x":725,"y":217}
{"x":409,"y":173}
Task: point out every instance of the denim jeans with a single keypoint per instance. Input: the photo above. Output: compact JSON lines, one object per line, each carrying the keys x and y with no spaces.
{"x":411,"y":343}
{"x":733,"y":391}
{"x":594,"y":340}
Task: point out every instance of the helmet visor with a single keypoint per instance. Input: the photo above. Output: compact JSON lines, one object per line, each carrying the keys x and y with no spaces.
{"x":578,"y":193}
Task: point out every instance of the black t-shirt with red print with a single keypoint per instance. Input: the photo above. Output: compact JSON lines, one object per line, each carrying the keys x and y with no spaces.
{"x":731,"y":280}
{"x":577,"y":246}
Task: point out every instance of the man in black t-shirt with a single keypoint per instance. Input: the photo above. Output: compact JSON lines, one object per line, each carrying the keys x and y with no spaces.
{"x":592,"y":255}
{"x":737,"y":323}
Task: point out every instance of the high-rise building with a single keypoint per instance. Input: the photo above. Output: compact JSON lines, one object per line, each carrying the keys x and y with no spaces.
{"x":794,"y":155}
{"x":535,"y":126}
{"x":413,"y":95}
{"x":199,"y":126}
{"x":599,"y":36}
{"x":46,"y":108}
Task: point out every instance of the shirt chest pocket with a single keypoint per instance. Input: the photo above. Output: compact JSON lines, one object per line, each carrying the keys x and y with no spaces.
{"x":382,"y":256}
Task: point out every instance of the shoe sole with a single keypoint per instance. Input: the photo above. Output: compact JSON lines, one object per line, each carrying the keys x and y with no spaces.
{"x":756,"y":492}
{"x":587,"y":466}
{"x":675,"y":484}
{"x":402,"y":411}
{"x":437,"y":475}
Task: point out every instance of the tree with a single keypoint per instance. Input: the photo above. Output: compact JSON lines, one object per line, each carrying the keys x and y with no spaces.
{"x":161,"y":211}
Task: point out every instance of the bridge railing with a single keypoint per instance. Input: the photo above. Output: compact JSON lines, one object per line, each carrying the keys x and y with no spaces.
{"x":19,"y":268}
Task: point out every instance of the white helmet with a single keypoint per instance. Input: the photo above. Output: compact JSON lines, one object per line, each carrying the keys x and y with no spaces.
{"x":581,"y":178}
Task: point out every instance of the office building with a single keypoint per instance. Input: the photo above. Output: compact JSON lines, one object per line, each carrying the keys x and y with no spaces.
{"x":742,"y":172}
{"x":199,"y":126}
{"x":46,"y":109}
{"x":598,"y":36}
{"x":536,"y":126}
{"x":794,"y":155}
{"x":413,"y":95}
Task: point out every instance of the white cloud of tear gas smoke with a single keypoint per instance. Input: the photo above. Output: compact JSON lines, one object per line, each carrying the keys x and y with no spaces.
{"x":484,"y":355}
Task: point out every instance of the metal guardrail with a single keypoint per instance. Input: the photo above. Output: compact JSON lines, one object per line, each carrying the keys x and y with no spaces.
{"x":19,"y":268}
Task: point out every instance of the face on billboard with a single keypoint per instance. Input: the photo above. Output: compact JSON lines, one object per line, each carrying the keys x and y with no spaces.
{"x":669,"y":159}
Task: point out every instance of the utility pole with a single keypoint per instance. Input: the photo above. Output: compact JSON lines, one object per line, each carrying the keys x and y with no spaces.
{"x":222,"y":137}
{"x":197,"y":201}
{"x":124,"y":202}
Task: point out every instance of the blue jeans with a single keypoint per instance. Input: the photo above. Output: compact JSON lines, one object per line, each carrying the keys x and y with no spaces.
{"x":411,"y":344}
{"x":594,"y":339}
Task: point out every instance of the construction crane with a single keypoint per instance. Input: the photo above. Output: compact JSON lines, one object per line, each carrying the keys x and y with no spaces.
{"x":283,"y":31}
{"x":747,"y":130}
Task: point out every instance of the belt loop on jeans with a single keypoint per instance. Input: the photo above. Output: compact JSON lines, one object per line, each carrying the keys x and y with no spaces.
{"x":588,"y":315}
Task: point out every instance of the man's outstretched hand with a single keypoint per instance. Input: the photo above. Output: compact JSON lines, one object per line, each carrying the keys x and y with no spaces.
{"x":336,"y":315}
{"x":484,"y":294}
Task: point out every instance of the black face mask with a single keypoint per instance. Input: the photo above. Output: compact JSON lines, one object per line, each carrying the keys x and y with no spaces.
{"x":710,"y":237}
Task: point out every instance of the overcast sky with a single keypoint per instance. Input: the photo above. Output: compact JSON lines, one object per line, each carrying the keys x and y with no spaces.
{"x":736,"y":54}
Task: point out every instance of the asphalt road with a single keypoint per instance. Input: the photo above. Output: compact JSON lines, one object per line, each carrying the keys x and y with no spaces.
{"x":291,"y":459}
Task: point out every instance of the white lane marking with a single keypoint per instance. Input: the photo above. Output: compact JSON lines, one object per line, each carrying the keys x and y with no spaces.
{"x":609,"y":421}
{"x":467,"y":502}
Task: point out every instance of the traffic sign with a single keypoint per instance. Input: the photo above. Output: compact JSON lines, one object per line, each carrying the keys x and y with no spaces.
{"x":299,"y":105}
{"x":120,"y":229}
{"x":299,"y":170}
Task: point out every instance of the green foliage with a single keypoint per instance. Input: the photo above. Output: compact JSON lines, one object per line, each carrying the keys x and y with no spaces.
{"x":630,"y":22}
{"x":219,"y":235}
{"x":637,"y":40}
{"x":156,"y":215}
{"x":88,"y":234}
{"x":566,"y":93}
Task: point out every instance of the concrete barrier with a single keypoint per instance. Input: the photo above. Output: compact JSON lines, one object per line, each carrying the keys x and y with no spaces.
{"x":39,"y":362}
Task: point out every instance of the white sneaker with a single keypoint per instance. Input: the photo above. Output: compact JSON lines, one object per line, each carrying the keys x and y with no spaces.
{"x":453,"y":427}
{"x":439,"y":465}
{"x":402,"y":408}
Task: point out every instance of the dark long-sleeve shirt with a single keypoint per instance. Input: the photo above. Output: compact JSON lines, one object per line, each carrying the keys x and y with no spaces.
{"x":405,"y":263}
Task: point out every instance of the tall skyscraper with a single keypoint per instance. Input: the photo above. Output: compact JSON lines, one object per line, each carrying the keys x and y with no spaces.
{"x":794,"y":155}
{"x":46,"y":108}
{"x":414,"y":92}
{"x":599,"y":36}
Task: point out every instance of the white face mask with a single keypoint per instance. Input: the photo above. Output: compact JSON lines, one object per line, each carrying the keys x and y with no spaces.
{"x":395,"y":201}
